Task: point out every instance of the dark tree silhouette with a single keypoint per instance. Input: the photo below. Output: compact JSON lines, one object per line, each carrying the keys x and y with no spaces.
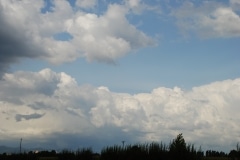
{"x":178,"y":148}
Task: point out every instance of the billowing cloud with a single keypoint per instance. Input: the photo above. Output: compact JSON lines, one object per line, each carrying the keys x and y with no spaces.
{"x":209,"y":19}
{"x":59,"y":32}
{"x":52,"y":104}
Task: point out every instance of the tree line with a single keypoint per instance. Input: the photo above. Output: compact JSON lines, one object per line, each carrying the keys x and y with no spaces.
{"x":177,"y":149}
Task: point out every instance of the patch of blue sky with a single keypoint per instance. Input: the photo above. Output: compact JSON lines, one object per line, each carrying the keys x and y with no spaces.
{"x":72,"y":2}
{"x":48,"y":6}
{"x":186,"y":64}
{"x":160,"y":25}
{"x":111,"y":1}
{"x":23,"y":65}
{"x":62,"y":36}
{"x":99,"y":9}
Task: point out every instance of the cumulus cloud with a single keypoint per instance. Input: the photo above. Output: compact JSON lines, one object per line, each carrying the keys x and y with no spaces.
{"x":206,"y":115}
{"x":209,"y":19}
{"x":63,"y":33}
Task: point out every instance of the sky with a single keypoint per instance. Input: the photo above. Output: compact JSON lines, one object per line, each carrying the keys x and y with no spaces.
{"x":92,"y":73}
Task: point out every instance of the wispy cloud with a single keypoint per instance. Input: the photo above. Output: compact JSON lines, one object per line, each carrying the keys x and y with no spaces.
{"x":209,"y":19}
{"x":19,"y":117}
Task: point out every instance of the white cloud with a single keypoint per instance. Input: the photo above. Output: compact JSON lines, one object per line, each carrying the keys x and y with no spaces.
{"x":46,"y":103}
{"x":210,"y":19}
{"x":103,"y":38}
{"x":111,"y":34}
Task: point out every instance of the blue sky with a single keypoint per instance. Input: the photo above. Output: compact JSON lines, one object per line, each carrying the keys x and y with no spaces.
{"x":132,"y":69}
{"x":184,"y":63}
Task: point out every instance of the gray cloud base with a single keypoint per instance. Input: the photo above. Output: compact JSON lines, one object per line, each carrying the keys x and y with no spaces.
{"x":13,"y":46}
